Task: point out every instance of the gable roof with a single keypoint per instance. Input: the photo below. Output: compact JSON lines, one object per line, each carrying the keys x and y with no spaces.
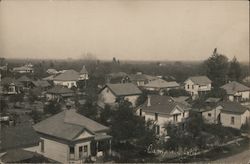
{"x":20,"y":136}
{"x":68,"y":75}
{"x":49,"y":78}
{"x":24,"y":79}
{"x":68,"y":125}
{"x":234,"y":87}
{"x":59,"y":90}
{"x":124,"y":89}
{"x":160,"y":83}
{"x":163,"y":104}
{"x":41,"y":83}
{"x":200,"y":80}
{"x":141,"y":77}
{"x":232,"y":107}
{"x":83,"y":70}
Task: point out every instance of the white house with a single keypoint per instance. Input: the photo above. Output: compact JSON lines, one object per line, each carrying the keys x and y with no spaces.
{"x":197,"y":85}
{"x":236,"y":91}
{"x":24,"y":69}
{"x":163,"y":110}
{"x":111,"y":92}
{"x":229,"y":114}
{"x":69,"y":137}
{"x":10,"y":86}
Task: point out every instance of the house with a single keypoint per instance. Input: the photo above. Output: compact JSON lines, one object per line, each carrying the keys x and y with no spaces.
{"x":69,"y":78}
{"x":27,"y":82}
{"x":117,"y":77}
{"x":163,"y":110}
{"x":229,"y":114}
{"x":11,"y":86}
{"x":236,"y":91}
{"x":160,"y":85}
{"x":197,"y":85}
{"x":70,"y":137}
{"x":24,"y":69}
{"x":111,"y":92}
{"x":43,"y":84}
{"x":58,"y":93}
{"x":141,"y":79}
{"x":52,"y":71}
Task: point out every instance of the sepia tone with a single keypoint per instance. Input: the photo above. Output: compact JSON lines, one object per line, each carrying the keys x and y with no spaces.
{"x":122,"y":81}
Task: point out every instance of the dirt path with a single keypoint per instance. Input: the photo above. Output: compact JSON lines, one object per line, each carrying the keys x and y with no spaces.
{"x":241,"y":158}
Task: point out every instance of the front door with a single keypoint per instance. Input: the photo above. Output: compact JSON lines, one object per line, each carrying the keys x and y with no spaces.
{"x":83,"y":151}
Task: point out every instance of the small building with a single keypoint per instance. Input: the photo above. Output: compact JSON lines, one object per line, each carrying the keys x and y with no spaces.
{"x":236,"y":91}
{"x":163,"y":110}
{"x":24,"y":69}
{"x":160,"y":85}
{"x":58,"y":93}
{"x":27,"y":82}
{"x":229,"y":114}
{"x":70,"y":137}
{"x":69,"y":78}
{"x":117,"y":77}
{"x":43,"y":84}
{"x":11,"y":86}
{"x":110,"y":93}
{"x":52,"y":71}
{"x":141,"y":79}
{"x":198,"y":85}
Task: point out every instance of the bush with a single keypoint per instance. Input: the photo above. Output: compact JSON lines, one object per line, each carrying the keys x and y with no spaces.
{"x":52,"y":108}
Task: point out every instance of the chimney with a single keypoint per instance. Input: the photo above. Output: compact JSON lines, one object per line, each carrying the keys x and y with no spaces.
{"x":68,"y":106}
{"x":149,"y":100}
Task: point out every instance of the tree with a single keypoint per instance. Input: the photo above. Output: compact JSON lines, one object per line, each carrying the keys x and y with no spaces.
{"x":177,"y":92}
{"x":89,"y":109}
{"x":106,"y":115}
{"x":234,"y":72}
{"x":141,"y":99}
{"x":52,"y":108}
{"x":36,"y":116}
{"x":216,"y":67}
{"x":3,"y":106}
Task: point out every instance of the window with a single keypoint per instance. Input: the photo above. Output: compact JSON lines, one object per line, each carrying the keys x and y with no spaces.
{"x":209,"y":114}
{"x":192,"y":86}
{"x":42,"y":145}
{"x":187,"y":86}
{"x":156,"y":116}
{"x":175,"y":118}
{"x":140,"y":112}
{"x":232,"y":120}
{"x":157,"y":130}
{"x":85,"y":148}
{"x":71,"y":150}
{"x":80,"y":152}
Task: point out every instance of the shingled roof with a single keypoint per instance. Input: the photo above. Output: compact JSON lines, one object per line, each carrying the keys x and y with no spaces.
{"x":234,"y":87}
{"x":41,"y":83}
{"x":200,"y":80}
{"x":68,"y":125}
{"x":160,"y":83}
{"x":68,"y":75}
{"x":232,"y":107}
{"x":83,"y":70}
{"x":163,"y":104}
{"x":24,"y":79}
{"x":124,"y":89}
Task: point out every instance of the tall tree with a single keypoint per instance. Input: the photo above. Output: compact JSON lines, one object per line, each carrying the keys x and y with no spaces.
{"x":217,"y":68}
{"x":234,"y":72}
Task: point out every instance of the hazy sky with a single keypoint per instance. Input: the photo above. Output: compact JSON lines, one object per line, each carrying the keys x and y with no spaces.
{"x":135,"y":30}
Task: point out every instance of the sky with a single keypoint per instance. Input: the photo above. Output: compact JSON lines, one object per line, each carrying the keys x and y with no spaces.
{"x":125,"y":29}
